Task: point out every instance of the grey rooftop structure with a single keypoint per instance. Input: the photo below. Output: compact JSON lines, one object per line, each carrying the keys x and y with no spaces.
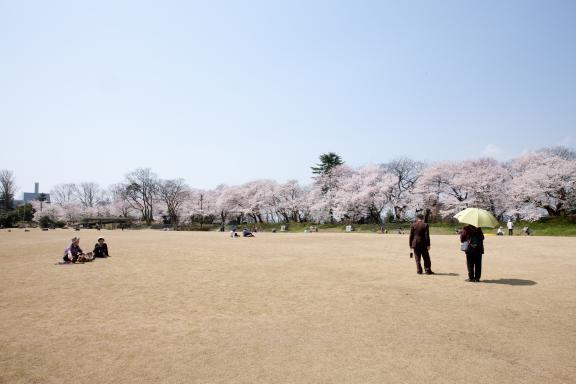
{"x":32,"y":196}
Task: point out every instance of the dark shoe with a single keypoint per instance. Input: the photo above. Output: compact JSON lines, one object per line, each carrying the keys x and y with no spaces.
{"x":419,"y":272}
{"x":429,"y":273}
{"x":477,"y":280}
{"x":470,"y":280}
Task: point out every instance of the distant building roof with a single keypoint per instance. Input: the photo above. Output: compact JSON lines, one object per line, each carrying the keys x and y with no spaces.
{"x":32,"y":196}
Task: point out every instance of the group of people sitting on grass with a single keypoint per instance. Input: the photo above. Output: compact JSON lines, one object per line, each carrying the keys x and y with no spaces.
{"x":74,"y":254}
{"x":245,"y":232}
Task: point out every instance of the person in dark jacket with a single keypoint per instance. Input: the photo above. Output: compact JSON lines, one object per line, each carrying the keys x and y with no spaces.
{"x":247,"y":233}
{"x":475,"y":239}
{"x":420,"y":244}
{"x":100,"y":248}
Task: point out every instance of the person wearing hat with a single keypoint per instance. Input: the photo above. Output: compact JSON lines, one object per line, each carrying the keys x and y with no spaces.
{"x":100,"y":248}
{"x":74,"y":253}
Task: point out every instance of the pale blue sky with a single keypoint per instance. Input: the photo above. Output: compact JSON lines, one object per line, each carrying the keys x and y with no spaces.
{"x":231,"y":91}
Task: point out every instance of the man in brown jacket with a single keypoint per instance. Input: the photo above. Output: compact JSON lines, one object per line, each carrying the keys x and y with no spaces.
{"x":420,"y":244}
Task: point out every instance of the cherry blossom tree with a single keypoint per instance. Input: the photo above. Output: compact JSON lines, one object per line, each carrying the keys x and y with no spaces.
{"x":227,"y":205}
{"x":53,"y":212}
{"x":543,"y":181}
{"x":200,"y":206}
{"x":121,"y":208}
{"x":172,"y":194}
{"x":291,"y":203}
{"x":446,"y":188}
{"x":323,"y":196}
{"x":443,"y":189}
{"x":72,"y":212}
{"x":348,"y":204}
{"x":140,"y":190}
{"x":257,"y":199}
{"x":378,"y":186}
{"x":406,"y":173}
{"x":487,"y":180}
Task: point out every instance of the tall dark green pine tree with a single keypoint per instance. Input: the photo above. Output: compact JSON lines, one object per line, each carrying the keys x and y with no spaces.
{"x":327,"y":162}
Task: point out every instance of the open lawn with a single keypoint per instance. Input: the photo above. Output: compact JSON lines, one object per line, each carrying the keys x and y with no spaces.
{"x":193,"y":307}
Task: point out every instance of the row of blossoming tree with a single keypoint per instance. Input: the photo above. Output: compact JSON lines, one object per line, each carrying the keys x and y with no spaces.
{"x":529,"y":187}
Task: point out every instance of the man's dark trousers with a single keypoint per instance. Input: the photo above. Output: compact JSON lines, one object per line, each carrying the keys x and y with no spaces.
{"x":422,"y":253}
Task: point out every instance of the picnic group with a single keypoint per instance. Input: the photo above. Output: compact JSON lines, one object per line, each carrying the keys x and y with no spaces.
{"x":74,"y":254}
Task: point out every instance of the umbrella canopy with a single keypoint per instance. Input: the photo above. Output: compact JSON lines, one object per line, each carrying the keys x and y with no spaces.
{"x":477,"y":217}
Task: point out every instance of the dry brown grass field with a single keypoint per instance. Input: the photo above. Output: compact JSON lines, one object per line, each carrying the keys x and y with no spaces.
{"x":190,"y":307}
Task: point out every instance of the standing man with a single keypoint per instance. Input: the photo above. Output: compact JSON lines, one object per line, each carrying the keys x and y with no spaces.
{"x":420,"y":244}
{"x":510,"y":227}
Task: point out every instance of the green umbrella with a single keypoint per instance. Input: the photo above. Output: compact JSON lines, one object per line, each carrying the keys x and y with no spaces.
{"x":477,"y":217}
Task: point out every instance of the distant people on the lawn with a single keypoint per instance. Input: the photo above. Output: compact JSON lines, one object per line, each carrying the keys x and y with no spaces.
{"x":74,"y":254}
{"x":510,"y":227}
{"x":100,"y":248}
{"x":474,"y":249}
{"x":499,"y":231}
{"x":527,"y":231}
{"x":247,"y":233}
{"x":233,"y":231}
{"x":419,"y":242}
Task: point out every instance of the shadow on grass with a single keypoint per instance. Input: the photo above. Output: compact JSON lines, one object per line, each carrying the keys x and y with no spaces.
{"x":446,"y":274}
{"x":510,"y":282}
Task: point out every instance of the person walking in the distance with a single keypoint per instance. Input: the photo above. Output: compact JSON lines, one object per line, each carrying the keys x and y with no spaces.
{"x":510,"y":227}
{"x":420,"y":244}
{"x":474,"y":238}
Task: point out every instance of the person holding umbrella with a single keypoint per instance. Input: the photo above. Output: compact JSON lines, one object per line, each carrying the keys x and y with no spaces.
{"x":472,"y":238}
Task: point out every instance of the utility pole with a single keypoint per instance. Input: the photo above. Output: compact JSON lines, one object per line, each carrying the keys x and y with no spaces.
{"x":201,"y":210}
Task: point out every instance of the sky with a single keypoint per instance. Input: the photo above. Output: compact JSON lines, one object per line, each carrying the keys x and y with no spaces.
{"x":225,"y":92}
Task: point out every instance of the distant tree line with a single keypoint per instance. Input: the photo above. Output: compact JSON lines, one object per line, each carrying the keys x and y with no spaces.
{"x":537,"y":184}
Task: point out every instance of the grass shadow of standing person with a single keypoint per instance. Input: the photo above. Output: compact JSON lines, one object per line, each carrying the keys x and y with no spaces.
{"x":516,"y":282}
